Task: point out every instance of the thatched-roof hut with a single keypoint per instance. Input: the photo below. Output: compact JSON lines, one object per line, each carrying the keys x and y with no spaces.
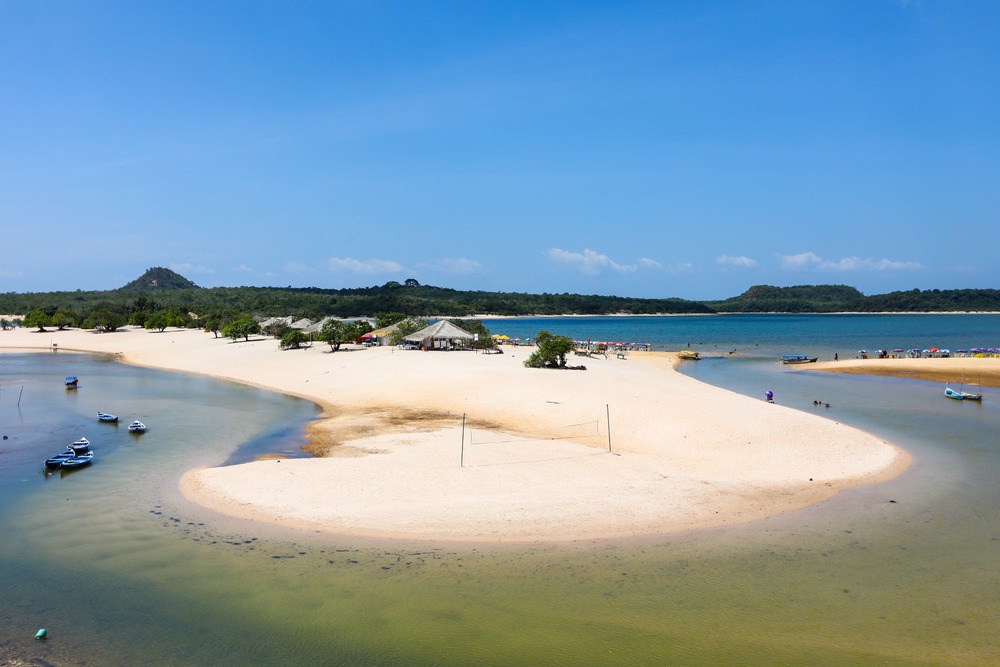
{"x":442,"y":335}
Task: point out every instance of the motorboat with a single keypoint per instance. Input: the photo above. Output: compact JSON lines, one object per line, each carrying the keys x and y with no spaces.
{"x":105,"y":417}
{"x":137,"y":427}
{"x":690,"y":355}
{"x":798,"y":359}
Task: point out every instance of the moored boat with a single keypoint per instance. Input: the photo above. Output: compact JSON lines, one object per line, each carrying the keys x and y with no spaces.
{"x":79,"y":449}
{"x":951,"y":393}
{"x":798,"y":359}
{"x":78,"y":461}
{"x":137,"y":427}
{"x":105,"y":417}
{"x":689,"y":355}
{"x":72,"y":381}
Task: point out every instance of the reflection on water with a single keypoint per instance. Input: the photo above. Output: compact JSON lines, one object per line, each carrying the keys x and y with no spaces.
{"x":121,"y":570}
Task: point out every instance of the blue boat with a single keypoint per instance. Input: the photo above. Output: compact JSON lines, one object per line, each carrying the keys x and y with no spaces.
{"x":78,"y":461}
{"x":105,"y":417}
{"x":79,"y":449}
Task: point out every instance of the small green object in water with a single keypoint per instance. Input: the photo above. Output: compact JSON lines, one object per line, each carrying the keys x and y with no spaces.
{"x":41,"y":634}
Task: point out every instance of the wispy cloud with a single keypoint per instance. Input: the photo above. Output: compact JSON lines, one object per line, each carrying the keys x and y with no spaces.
{"x":741,"y":262}
{"x":588,"y":262}
{"x":297,"y":268}
{"x":366,"y":266}
{"x":459,"y":266}
{"x":186,"y":269}
{"x":11,"y":273}
{"x":809,"y":261}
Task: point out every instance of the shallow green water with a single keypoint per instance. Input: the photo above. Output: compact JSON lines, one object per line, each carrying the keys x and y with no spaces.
{"x":122,"y":571}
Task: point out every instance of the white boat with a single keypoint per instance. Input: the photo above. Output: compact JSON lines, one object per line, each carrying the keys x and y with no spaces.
{"x":137,"y":427}
{"x":105,"y":417}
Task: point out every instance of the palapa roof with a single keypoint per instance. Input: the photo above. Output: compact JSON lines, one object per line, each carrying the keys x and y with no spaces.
{"x":440,"y":329}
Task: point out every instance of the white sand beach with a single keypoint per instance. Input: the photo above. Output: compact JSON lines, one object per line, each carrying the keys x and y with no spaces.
{"x":536,"y":466}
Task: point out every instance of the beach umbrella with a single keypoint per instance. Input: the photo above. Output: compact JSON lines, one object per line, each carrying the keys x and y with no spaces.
{"x":933,"y":349}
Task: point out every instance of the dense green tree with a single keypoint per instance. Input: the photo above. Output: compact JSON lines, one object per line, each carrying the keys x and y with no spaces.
{"x":293,"y":339}
{"x":550,"y":352}
{"x":405,"y":328}
{"x":37,"y":318}
{"x":242,"y":327}
{"x":106,"y":320}
{"x":337,"y":332}
{"x":158,"y":321}
{"x":63,"y":318}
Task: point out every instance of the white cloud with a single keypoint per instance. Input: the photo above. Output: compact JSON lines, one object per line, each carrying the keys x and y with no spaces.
{"x":243,"y":268}
{"x":185,"y":269}
{"x":588,"y":262}
{"x":810,"y":260}
{"x":457,"y":265}
{"x":11,"y":273}
{"x":367,"y":267}
{"x":647,"y":263}
{"x":742,"y":261}
{"x":297,"y":267}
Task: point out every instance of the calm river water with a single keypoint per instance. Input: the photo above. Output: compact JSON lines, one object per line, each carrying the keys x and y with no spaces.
{"x":122,"y":571}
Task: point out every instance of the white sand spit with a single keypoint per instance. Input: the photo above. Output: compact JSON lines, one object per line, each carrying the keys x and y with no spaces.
{"x":536,"y":460}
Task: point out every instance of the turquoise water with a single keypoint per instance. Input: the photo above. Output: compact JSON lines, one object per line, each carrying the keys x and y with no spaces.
{"x":123,"y":571}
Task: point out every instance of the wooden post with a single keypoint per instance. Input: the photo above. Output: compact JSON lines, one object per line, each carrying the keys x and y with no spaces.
{"x":19,"y":396}
{"x":608,"y":409}
{"x":462,"y":460}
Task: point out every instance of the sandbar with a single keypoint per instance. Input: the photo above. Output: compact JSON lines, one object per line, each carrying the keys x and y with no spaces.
{"x":970,"y":371}
{"x":470,"y":447}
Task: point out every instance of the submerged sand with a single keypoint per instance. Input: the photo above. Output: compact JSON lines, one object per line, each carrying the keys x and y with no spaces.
{"x":532,"y":461}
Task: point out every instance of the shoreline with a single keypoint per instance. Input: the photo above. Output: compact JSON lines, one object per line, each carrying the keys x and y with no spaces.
{"x":535,"y":463}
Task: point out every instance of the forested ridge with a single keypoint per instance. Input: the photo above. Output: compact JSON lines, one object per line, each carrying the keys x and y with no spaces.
{"x":161,"y":290}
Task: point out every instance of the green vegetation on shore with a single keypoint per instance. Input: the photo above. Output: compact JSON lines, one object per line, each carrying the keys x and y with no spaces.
{"x":161,"y":298}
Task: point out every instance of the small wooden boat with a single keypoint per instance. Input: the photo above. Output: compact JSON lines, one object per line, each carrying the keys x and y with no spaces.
{"x":105,"y":417}
{"x":80,"y":446}
{"x":78,"y":461}
{"x":77,"y":449}
{"x":72,"y":381}
{"x":137,"y":427}
{"x":798,"y":359}
{"x":689,"y":355}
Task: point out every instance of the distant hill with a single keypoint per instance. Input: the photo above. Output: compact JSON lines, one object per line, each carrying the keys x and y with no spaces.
{"x":158,"y":278}
{"x":162,"y":289}
{"x":845,"y":299}
{"x":797,"y":299}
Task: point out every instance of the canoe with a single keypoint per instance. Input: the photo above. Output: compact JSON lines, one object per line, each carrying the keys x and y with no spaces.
{"x":78,"y":461}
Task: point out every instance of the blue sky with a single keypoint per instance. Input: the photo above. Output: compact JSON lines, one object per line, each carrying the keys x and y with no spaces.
{"x":659,"y":149}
